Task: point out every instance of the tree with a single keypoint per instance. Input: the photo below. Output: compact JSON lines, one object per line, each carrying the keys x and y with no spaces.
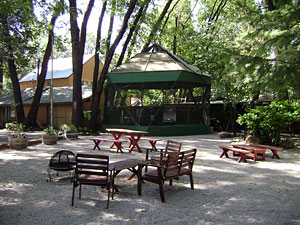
{"x":17,"y":33}
{"x":78,"y":43}
{"x":108,"y":58}
{"x":157,"y":25}
{"x":32,"y":115}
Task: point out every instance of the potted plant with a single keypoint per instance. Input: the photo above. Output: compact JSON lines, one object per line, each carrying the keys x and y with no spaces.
{"x":17,"y":139}
{"x":50,"y":136}
{"x":70,"y":131}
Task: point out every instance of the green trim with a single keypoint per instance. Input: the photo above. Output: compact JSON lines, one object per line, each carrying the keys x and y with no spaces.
{"x":158,"y":76}
{"x":175,"y":130}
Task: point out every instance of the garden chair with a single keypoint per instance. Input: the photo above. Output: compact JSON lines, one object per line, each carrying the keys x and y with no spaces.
{"x":172,"y":146}
{"x":93,"y":170}
{"x":177,"y":164}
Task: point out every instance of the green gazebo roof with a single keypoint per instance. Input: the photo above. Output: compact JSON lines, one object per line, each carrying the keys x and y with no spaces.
{"x":157,"y":69}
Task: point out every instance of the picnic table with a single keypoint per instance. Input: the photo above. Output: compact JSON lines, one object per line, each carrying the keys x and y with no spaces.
{"x":257,"y":153}
{"x":135,"y":136}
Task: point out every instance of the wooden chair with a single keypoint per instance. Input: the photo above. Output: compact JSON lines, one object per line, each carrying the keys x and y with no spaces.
{"x":172,"y":146}
{"x":93,"y":170}
{"x":177,"y":164}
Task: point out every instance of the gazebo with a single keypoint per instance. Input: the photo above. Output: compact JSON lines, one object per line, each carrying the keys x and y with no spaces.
{"x":158,"y":92}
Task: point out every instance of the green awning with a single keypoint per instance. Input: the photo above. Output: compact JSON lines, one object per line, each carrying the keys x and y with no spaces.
{"x":158,"y":80}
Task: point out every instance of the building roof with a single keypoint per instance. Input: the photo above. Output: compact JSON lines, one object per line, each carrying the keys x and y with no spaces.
{"x":60,"y":95}
{"x":62,"y":68}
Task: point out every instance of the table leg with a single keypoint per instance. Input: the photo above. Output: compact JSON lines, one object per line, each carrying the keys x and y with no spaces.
{"x":153,"y":143}
{"x":97,"y":143}
{"x":275,"y":155}
{"x":135,"y":142}
{"x":116,"y":137}
{"x":224,"y":153}
{"x":119,"y":146}
{"x":139,"y":180}
{"x":242,"y":158}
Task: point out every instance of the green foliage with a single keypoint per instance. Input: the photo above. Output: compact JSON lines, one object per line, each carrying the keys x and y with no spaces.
{"x":50,"y":130}
{"x":66,"y":127}
{"x":14,"y":126}
{"x":272,"y":119}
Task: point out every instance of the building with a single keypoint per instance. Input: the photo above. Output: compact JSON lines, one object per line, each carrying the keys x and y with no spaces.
{"x":62,"y":93}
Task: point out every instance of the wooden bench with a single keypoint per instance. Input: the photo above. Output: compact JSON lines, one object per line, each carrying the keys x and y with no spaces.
{"x":98,"y":140}
{"x":272,"y":148}
{"x":152,"y":141}
{"x":257,"y":153}
{"x":242,"y":153}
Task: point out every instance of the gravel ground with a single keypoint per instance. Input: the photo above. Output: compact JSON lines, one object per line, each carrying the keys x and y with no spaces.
{"x":226,"y":192}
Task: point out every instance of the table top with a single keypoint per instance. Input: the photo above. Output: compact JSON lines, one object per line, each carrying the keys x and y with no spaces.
{"x":124,"y":164}
{"x":119,"y":130}
{"x":249,"y":147}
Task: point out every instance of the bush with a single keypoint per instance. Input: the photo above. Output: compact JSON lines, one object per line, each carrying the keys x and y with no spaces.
{"x":66,"y":127}
{"x":270,"y":121}
{"x":14,"y":126}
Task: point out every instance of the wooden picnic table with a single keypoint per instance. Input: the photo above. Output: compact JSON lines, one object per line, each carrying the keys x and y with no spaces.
{"x":257,"y":153}
{"x":135,"y":136}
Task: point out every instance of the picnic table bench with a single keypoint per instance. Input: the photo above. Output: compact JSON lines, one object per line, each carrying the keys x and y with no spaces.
{"x":272,"y":148}
{"x":236,"y":151}
{"x":152,"y":141}
{"x":117,"y":143}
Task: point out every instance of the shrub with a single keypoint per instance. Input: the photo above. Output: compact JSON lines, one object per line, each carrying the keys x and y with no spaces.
{"x":271,"y":119}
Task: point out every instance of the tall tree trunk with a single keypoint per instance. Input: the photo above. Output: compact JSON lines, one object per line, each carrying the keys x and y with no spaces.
{"x":108,"y":58}
{"x":31,"y":118}
{"x":97,"y":49}
{"x":1,"y":71}
{"x":20,"y":115}
{"x":156,"y":26}
{"x":132,"y":29}
{"x":77,"y":59}
{"x":110,"y":29}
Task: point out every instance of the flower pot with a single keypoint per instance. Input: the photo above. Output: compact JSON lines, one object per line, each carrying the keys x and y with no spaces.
{"x":49,"y":139}
{"x":17,"y":143}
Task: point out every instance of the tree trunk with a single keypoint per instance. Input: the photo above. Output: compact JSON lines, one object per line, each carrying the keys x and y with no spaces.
{"x":108,"y":58}
{"x":31,"y":118}
{"x":157,"y":25}
{"x":98,"y":42}
{"x":1,"y":71}
{"x":132,"y":29}
{"x":20,"y":115}
{"x":110,"y":29}
{"x":77,"y":58}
